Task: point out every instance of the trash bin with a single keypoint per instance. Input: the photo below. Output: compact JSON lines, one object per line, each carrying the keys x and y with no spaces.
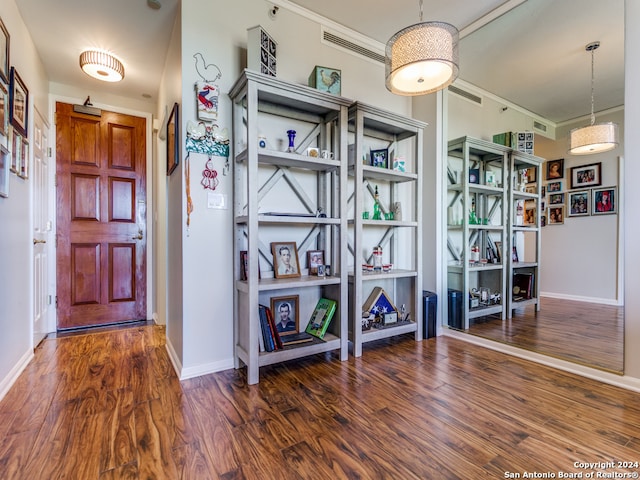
{"x":455,"y":308}
{"x":429,"y":313}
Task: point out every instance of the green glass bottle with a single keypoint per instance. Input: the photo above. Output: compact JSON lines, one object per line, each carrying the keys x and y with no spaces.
{"x":376,"y":206}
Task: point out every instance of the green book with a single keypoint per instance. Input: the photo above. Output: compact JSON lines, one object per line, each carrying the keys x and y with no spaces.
{"x":321,"y":317}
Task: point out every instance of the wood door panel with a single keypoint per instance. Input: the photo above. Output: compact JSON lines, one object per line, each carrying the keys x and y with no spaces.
{"x":85,"y":135}
{"x":122,"y":196}
{"x":85,"y":197}
{"x":121,"y":147}
{"x":85,"y":280}
{"x":101,"y":188}
{"x":122,"y":274}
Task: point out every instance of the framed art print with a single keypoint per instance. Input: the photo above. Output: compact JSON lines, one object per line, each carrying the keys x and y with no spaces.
{"x":4,"y":52}
{"x":555,"y":169}
{"x":173,"y":139}
{"x":18,"y":103}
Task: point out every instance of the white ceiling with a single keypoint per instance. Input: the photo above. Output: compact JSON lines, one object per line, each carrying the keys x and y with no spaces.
{"x":533,"y":56}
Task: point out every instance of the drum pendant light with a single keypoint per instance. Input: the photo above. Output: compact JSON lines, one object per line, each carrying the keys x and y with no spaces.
{"x":422,"y":58}
{"x":102,"y":66}
{"x":597,"y":137}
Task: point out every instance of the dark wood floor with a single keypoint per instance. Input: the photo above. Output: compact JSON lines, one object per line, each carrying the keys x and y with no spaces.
{"x":109,"y":406}
{"x":586,"y":333}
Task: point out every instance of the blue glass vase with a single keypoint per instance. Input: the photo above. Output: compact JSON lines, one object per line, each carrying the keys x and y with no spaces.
{"x":292,"y":137}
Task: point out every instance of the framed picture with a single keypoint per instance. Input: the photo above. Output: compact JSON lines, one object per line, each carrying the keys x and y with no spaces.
{"x":4,"y":52}
{"x":554,"y":187}
{"x":605,"y":200}
{"x":531,"y":174}
{"x":499,"y":251}
{"x":578,"y":203}
{"x":5,"y":161}
{"x":23,"y":172}
{"x":315,"y":258}
{"x":380,"y":158}
{"x":586,"y":176}
{"x":474,"y":175}
{"x":18,"y":103}
{"x":555,"y":169}
{"x":531,"y":188}
{"x":16,"y":151}
{"x":4,"y":113}
{"x":543,"y":220}
{"x":326,"y":79}
{"x":285,"y":314}
{"x":556,"y":215}
{"x":244,"y":264}
{"x":285,"y":259}
{"x":530,"y":212}
{"x":514,"y":254}
{"x":543,"y":190}
{"x":173,"y":139}
{"x":556,"y":198}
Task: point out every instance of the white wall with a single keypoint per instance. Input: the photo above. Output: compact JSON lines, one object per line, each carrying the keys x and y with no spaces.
{"x":16,"y":278}
{"x":580,"y":256}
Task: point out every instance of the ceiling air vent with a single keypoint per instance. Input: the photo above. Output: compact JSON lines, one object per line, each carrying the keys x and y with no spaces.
{"x":464,"y":94}
{"x":541,"y":127}
{"x":351,"y":46}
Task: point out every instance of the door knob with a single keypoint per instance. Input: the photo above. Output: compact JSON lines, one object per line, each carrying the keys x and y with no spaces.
{"x":35,"y":242}
{"x":139,"y":236}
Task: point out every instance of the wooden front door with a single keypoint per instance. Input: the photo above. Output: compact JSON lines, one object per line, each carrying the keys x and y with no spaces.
{"x":101,"y":218}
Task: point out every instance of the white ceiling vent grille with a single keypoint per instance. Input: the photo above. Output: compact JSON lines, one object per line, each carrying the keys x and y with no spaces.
{"x":464,"y":94}
{"x":541,"y":127}
{"x":351,"y":46}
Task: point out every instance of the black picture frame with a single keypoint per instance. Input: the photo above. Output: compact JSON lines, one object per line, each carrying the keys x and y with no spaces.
{"x":555,"y":169}
{"x":584,"y":176}
{"x":5,"y":50}
{"x":380,"y":158}
{"x":173,"y":139}
{"x":18,"y":104}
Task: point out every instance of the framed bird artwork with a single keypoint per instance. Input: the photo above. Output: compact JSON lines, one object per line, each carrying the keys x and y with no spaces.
{"x":326,"y":80}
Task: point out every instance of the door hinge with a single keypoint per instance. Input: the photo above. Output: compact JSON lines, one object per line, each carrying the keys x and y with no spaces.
{"x":49,"y":152}
{"x":56,"y":301}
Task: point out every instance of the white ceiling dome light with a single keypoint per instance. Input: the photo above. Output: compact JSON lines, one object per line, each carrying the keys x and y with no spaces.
{"x":102,"y":66}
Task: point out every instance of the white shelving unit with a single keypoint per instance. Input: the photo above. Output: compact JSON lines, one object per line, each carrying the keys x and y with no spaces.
{"x":400,"y":238}
{"x":525,"y":237}
{"x":477,"y":180}
{"x":298,"y":186}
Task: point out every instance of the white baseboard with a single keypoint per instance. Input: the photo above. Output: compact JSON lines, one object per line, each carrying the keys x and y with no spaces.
{"x":623,"y":381}
{"x":15,"y":372}
{"x":197,"y":371}
{"x":578,"y":298}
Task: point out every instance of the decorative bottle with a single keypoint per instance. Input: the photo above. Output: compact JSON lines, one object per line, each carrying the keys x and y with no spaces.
{"x":377,"y":215}
{"x":377,"y":258}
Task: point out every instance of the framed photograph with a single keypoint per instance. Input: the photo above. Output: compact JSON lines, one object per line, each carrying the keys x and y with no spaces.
{"x":4,"y":52}
{"x":285,"y":259}
{"x":499,"y":251}
{"x":244,"y":265}
{"x":16,"y":151}
{"x":531,"y":188}
{"x":514,"y":254}
{"x":23,"y":172}
{"x":543,"y":190}
{"x":605,"y":200}
{"x":315,"y":258}
{"x":173,"y":139}
{"x":586,"y":176}
{"x":5,"y":161}
{"x":543,"y":220}
{"x":554,"y":187}
{"x":4,"y":112}
{"x":556,"y":198}
{"x":556,"y":215}
{"x":532,"y":174}
{"x":555,"y":169}
{"x":380,"y":158}
{"x":285,"y":314}
{"x":530,"y":212}
{"x":18,"y":103}
{"x":474,"y":175}
{"x":579,"y":203}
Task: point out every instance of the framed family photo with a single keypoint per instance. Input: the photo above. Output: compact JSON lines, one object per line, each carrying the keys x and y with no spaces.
{"x":586,"y":176}
{"x":556,"y":198}
{"x":285,"y":259}
{"x":315,"y":259}
{"x":380,"y":158}
{"x":18,"y":103}
{"x":555,"y":169}
{"x":556,"y":215}
{"x":285,"y":312}
{"x":554,"y":187}
{"x":579,"y":203}
{"x":605,"y":201}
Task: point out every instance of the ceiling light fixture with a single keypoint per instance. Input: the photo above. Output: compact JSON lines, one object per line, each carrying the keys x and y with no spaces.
{"x":422,"y":58}
{"x":597,"y":137}
{"x":155,"y":4}
{"x":102,"y":66}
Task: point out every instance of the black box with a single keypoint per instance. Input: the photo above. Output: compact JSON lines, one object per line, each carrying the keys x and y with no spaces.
{"x":455,"y":309}
{"x":429,"y":313}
